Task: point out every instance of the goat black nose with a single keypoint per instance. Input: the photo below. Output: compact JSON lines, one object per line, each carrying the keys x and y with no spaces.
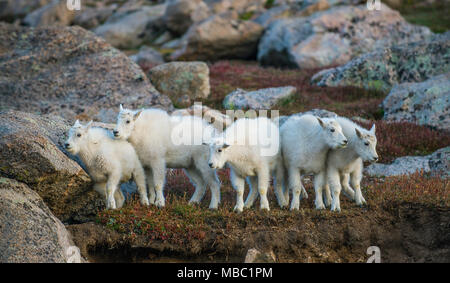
{"x":210,"y":165}
{"x":66,"y":145}
{"x":345,"y":141}
{"x":115,"y":132}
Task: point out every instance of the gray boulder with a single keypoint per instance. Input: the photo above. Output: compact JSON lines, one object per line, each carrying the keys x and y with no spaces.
{"x":126,"y":30}
{"x":181,"y":14}
{"x":437,"y":163}
{"x":426,"y":103}
{"x":334,"y":36}
{"x":29,"y":232}
{"x":92,"y":17}
{"x":177,"y":79}
{"x":70,"y":72}
{"x":54,"y":13}
{"x":11,"y":10}
{"x":299,"y":8}
{"x":382,"y":69}
{"x":222,"y":36}
{"x":259,"y":99}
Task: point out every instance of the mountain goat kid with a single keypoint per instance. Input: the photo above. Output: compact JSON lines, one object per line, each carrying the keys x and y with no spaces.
{"x":164,"y":141}
{"x":305,"y":142}
{"x":108,"y":162}
{"x":346,"y":164}
{"x":250,"y":147}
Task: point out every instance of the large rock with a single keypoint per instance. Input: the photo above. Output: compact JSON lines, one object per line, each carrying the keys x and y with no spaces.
{"x":334,"y":36}
{"x":31,"y":152}
{"x":299,"y":8}
{"x":426,"y":103}
{"x":10,"y":10}
{"x":54,"y":13}
{"x":29,"y":232}
{"x":380,"y":70}
{"x":275,"y":13}
{"x":177,"y":79}
{"x":92,"y":17}
{"x":222,"y":36}
{"x":259,"y":99}
{"x":70,"y":72}
{"x":126,"y":30}
{"x":437,"y":163}
{"x":181,"y":14}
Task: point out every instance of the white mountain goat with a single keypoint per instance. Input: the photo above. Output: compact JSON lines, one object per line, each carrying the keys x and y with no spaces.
{"x":346,"y":164}
{"x":175,"y":142}
{"x":250,"y":147}
{"x":108,"y":162}
{"x":305,"y":142}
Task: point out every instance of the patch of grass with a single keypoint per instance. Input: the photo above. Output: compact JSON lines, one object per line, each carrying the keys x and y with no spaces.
{"x":177,"y":223}
{"x":436,"y":15}
{"x":269,"y":4}
{"x":416,"y":188}
{"x":246,"y":15}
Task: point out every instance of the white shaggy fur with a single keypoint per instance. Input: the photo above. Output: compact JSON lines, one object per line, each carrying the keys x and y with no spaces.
{"x":250,"y":147}
{"x":345,"y":165}
{"x":175,"y":142}
{"x":108,"y":162}
{"x":305,"y":142}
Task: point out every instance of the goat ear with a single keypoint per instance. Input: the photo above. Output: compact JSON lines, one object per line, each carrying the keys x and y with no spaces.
{"x":322,"y":124}
{"x":120,"y":108}
{"x":372,"y":130}
{"x":137,"y":115}
{"x":225,"y":145}
{"x":89,"y":125}
{"x":358,"y":133}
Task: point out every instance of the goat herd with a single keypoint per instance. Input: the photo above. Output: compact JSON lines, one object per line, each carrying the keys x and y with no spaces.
{"x":146,"y":142}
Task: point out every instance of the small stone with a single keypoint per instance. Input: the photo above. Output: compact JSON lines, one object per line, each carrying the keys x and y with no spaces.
{"x":255,"y":256}
{"x":259,"y":99}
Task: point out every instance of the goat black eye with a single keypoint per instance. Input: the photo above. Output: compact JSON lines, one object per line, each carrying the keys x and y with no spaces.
{"x":128,"y":121}
{"x":78,"y":135}
{"x":366,"y":144}
{"x":219,"y":150}
{"x":332,"y":130}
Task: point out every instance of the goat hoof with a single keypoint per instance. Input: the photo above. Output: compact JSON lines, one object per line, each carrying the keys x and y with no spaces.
{"x":145,"y":202}
{"x":159,"y":203}
{"x":238,"y":209}
{"x":320,"y":207}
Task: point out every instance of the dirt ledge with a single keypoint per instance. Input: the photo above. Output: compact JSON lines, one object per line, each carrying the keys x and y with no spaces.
{"x":404,"y":233}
